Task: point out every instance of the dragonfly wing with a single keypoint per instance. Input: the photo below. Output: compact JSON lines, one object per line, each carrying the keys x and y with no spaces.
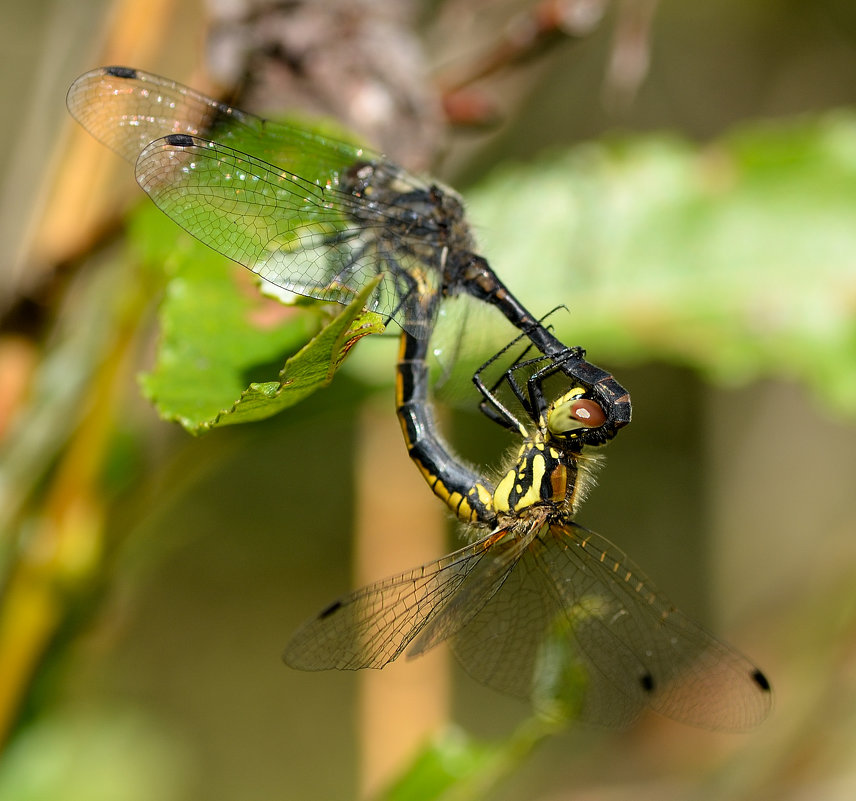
{"x":127,"y":108}
{"x":373,"y":626}
{"x":500,"y":644}
{"x":634,"y":647}
{"x":578,"y":627}
{"x":484,"y":581}
{"x":290,"y":231}
{"x":323,"y":222}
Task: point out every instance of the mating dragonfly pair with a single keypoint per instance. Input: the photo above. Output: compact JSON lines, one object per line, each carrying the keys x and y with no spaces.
{"x":535,"y":605}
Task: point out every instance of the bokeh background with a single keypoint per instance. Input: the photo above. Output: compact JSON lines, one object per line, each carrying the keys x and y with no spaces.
{"x":150,"y":579}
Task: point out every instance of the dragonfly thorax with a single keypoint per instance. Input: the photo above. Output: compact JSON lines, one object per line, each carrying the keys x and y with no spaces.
{"x":542,"y":474}
{"x":428,"y":214}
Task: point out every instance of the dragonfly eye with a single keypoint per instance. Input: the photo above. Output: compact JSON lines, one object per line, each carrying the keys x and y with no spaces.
{"x":573,"y":414}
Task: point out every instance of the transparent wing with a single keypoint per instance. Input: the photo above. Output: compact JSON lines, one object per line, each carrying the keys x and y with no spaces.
{"x":578,"y":624}
{"x":552,"y":612}
{"x":374,"y":625}
{"x":290,"y":231}
{"x":287,"y":211}
{"x":126,"y":109}
{"x":483,"y":581}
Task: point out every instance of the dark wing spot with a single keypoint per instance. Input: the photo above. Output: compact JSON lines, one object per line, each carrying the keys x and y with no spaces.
{"x":179,"y":140}
{"x":120,"y":72}
{"x":761,"y":680}
{"x":647,"y":682}
{"x":330,"y":609}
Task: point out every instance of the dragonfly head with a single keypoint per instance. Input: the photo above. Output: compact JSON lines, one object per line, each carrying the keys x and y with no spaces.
{"x":593,"y":410}
{"x":576,"y":418}
{"x":572,"y":413}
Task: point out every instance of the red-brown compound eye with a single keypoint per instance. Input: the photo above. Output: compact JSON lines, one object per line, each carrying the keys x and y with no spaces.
{"x":588,"y":413}
{"x":573,"y":414}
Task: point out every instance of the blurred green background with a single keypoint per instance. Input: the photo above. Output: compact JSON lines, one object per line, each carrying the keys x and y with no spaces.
{"x":700,"y":228}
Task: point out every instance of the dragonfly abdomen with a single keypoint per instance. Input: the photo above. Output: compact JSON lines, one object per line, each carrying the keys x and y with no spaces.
{"x":463,"y":490}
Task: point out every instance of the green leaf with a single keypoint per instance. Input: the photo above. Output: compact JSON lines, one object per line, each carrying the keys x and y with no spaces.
{"x":217,"y":331}
{"x":441,"y":765}
{"x":453,"y":766}
{"x":309,"y":369}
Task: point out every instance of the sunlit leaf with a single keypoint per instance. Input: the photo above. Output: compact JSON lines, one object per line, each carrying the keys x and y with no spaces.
{"x":218,"y":333}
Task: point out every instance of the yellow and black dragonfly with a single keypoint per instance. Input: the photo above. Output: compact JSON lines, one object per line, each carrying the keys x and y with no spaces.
{"x":535,"y":605}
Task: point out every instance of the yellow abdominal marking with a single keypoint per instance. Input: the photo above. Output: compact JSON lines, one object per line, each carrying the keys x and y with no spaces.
{"x":484,"y":496}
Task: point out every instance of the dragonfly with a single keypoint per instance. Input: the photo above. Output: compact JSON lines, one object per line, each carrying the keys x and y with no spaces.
{"x":535,"y":599}
{"x":311,"y":214}
{"x":536,"y":605}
